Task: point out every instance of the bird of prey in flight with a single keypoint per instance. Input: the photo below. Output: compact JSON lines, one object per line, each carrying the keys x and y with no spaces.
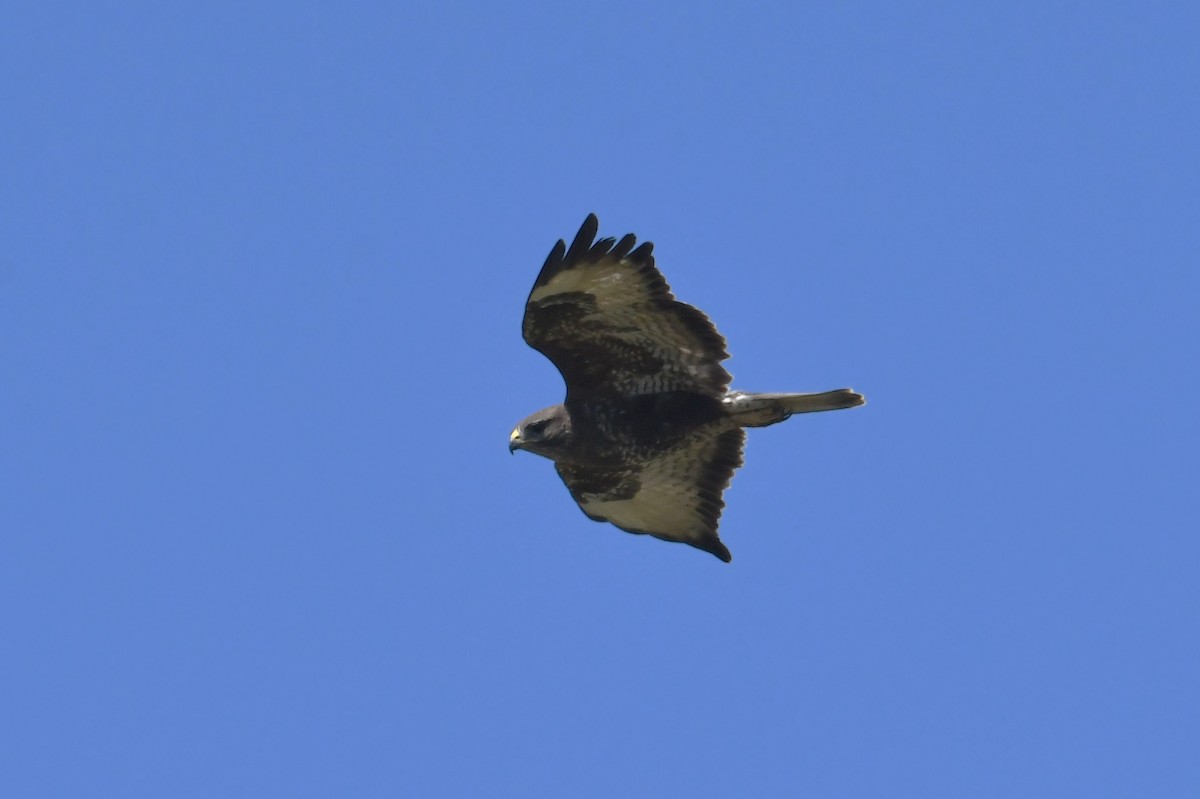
{"x":650,"y":433}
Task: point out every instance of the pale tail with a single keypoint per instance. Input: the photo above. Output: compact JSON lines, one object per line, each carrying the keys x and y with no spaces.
{"x":760,"y":410}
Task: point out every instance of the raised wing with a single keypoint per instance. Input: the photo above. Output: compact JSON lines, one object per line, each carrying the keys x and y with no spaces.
{"x":604,"y":315}
{"x":675,"y":496}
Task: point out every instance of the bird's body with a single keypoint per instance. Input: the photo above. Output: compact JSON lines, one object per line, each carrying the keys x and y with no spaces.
{"x":649,"y":434}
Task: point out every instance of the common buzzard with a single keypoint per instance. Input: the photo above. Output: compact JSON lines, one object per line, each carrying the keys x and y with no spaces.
{"x":650,"y":434}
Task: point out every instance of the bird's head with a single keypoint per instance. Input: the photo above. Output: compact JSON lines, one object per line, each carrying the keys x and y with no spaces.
{"x":546,"y":433}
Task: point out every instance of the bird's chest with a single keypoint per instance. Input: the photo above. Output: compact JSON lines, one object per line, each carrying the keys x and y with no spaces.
{"x":612,"y":430}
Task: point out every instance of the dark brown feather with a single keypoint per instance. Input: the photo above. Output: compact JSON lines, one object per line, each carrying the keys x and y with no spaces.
{"x":605,"y":316}
{"x":673,"y":494}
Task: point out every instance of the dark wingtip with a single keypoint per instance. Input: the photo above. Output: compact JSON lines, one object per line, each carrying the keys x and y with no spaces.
{"x":583,"y":239}
{"x":714,"y":546}
{"x":642,"y":255}
{"x":624,"y":246}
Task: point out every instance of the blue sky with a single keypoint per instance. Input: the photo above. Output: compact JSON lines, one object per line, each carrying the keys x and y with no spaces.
{"x":262,"y":270}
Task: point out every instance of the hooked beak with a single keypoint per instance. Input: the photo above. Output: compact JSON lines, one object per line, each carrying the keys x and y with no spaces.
{"x":514,"y":441}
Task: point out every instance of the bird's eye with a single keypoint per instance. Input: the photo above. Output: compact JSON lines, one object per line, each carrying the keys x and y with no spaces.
{"x":536,"y":427}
